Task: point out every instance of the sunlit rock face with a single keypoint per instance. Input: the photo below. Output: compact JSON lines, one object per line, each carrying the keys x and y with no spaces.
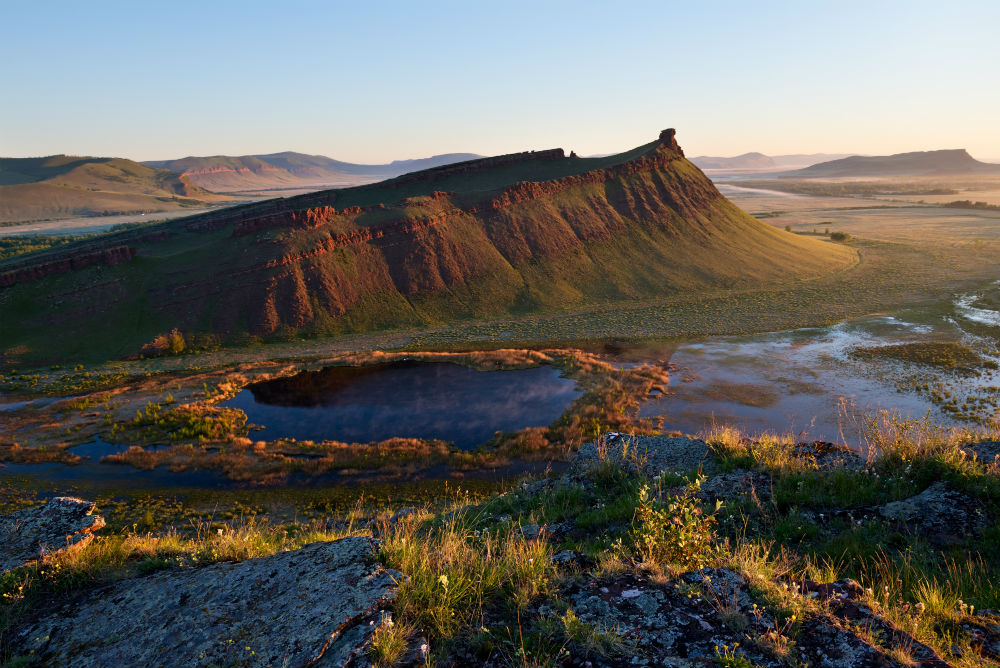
{"x":35,"y":534}
{"x":318,"y":605}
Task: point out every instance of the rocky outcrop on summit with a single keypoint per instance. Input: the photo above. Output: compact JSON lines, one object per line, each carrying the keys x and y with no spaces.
{"x":34,"y":534}
{"x":317,"y":606}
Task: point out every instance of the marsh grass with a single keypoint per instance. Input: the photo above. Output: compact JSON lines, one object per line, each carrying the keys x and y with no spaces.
{"x":944,"y":354}
{"x":199,"y":434}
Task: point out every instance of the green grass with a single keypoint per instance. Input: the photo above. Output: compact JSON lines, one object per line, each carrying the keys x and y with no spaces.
{"x":11,"y":246}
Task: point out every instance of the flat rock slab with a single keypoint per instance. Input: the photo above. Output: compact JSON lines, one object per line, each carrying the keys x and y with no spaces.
{"x":317,"y":606}
{"x":33,"y":534}
{"x":654,"y":454}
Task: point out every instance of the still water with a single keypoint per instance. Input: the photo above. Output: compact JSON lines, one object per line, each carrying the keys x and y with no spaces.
{"x":406,"y":399}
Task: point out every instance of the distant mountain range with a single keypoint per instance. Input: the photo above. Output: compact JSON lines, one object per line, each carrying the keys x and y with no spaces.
{"x":918,"y":163}
{"x":760,"y":162}
{"x":63,"y":186}
{"x":223,"y":173}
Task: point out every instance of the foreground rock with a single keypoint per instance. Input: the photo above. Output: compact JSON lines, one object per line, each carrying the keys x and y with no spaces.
{"x":34,"y":534}
{"x":986,"y":452}
{"x":686,"y":622}
{"x":317,"y":606}
{"x":652,"y":454}
{"x":939,"y":514}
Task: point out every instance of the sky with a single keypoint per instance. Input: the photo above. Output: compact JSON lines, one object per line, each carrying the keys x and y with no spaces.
{"x":375,"y":81}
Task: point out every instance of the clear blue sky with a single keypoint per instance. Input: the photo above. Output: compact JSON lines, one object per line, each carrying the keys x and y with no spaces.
{"x":376,"y":81}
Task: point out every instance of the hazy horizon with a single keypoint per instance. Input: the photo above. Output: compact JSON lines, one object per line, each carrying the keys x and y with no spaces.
{"x":372,"y":85}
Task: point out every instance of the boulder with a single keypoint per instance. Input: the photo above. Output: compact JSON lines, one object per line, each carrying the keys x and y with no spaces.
{"x":739,"y":485}
{"x":653,"y":454}
{"x":986,"y":452}
{"x":37,"y":533}
{"x":939,"y":514}
{"x":827,"y":456}
{"x":317,"y":606}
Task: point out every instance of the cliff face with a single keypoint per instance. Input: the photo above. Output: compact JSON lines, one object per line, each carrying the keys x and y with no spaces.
{"x":473,"y":239}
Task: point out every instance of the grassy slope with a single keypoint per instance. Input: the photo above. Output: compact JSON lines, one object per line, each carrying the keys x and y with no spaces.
{"x":594,"y":242}
{"x":66,"y":186}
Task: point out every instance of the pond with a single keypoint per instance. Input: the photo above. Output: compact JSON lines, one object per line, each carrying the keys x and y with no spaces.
{"x":406,"y":399}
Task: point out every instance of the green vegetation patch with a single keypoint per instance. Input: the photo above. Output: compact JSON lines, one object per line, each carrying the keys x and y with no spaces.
{"x":943,"y":354}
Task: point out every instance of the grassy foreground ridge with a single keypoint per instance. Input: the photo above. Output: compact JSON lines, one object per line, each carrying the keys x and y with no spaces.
{"x":744,"y":541}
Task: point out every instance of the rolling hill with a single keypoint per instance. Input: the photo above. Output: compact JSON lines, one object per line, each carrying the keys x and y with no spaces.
{"x":289,"y":170}
{"x":499,"y":236}
{"x":62,"y":186}
{"x":760,"y":162}
{"x":918,"y":163}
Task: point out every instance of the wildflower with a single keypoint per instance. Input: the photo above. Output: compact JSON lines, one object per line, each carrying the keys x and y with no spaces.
{"x":444,"y":581}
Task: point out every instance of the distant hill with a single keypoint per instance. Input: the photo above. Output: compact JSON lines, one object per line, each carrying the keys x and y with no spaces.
{"x":745,"y":161}
{"x":223,"y":173}
{"x":484,"y":238}
{"x":62,"y":186}
{"x":760,"y":162}
{"x":918,"y":163}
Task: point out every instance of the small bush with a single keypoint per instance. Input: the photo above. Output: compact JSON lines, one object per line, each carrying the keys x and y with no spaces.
{"x":171,"y":343}
{"x":842,"y":237}
{"x":678,"y":534}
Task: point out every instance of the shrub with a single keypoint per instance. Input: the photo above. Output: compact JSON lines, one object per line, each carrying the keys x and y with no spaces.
{"x":840,"y":236}
{"x":679,"y":533}
{"x":172,"y":343}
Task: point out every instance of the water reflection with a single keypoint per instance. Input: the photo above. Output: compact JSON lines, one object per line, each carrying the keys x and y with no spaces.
{"x":799,"y":381}
{"x":407,"y":399}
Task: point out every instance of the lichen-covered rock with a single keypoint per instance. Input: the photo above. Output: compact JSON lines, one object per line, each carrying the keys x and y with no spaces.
{"x":33,"y":534}
{"x":317,"y":606}
{"x":740,"y":485}
{"x":686,"y":621}
{"x":984,"y":631}
{"x":939,"y":514}
{"x":986,"y":452}
{"x":654,"y":454}
{"x":822,"y":643}
{"x":827,"y":456}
